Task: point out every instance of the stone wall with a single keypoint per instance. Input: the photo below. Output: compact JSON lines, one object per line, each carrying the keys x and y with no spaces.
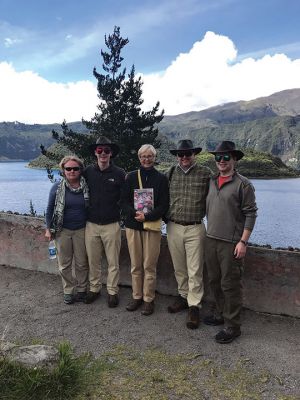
{"x":271,"y":280}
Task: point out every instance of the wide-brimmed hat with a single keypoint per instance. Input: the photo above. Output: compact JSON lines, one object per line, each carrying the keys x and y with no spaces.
{"x":228,"y":147}
{"x":185,"y":144}
{"x":104,"y":141}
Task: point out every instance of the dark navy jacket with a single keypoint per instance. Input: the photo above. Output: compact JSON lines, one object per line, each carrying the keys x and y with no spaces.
{"x":105,"y":191}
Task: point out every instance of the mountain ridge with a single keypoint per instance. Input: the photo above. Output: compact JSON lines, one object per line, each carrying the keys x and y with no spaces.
{"x":270,"y":124}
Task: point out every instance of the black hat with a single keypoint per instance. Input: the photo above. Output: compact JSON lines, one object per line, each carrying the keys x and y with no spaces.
{"x":104,"y":141}
{"x":185,"y":144}
{"x":228,"y":147}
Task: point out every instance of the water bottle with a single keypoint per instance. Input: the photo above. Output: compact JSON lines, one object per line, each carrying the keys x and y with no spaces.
{"x":52,"y":250}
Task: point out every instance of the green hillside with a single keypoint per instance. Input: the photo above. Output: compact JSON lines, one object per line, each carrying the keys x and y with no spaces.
{"x":267,"y":124}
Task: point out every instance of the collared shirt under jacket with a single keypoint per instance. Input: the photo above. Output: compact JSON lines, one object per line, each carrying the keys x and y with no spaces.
{"x":230,"y":209}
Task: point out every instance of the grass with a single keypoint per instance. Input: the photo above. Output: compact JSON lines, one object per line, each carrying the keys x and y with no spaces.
{"x":128,"y":374}
{"x":62,"y":383}
{"x":154,"y":374}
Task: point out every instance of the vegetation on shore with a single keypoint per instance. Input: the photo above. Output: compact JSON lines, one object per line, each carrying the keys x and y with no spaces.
{"x":125,"y":374}
{"x":254,"y":164}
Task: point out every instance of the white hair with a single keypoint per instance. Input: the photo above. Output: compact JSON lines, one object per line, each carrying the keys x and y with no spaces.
{"x":145,"y":148}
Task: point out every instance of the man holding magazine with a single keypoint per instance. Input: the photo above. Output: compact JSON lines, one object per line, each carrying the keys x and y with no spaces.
{"x":144,"y":200}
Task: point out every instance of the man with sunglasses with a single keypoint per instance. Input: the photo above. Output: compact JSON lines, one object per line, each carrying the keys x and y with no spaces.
{"x":103,"y":232}
{"x":231,"y":214}
{"x":189,"y":182}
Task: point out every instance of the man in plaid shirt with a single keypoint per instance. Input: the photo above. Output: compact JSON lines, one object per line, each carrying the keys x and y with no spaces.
{"x":189,"y":184}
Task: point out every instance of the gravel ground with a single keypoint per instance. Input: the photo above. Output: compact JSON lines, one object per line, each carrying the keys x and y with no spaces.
{"x":32,"y":309}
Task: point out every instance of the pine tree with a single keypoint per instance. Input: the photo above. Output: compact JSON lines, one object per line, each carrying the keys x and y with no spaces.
{"x":120,"y":117}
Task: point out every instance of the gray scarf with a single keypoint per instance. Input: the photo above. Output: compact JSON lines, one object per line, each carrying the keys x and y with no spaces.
{"x":59,"y":207}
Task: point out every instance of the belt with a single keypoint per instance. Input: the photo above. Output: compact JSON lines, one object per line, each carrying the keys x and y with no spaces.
{"x":186,"y":223}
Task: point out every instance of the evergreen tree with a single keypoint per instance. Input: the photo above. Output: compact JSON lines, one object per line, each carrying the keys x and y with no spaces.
{"x":120,"y":117}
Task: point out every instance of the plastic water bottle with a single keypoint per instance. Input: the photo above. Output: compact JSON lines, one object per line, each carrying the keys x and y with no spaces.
{"x":52,"y":250}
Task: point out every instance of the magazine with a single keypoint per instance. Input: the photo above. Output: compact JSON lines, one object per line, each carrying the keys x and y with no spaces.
{"x":143,"y":200}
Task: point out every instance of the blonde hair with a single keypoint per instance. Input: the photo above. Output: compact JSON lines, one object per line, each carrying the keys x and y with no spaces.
{"x":147,"y":147}
{"x":70,"y":158}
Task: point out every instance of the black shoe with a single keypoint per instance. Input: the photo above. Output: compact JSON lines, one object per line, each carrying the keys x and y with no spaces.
{"x":134,"y":304}
{"x":179,"y":305}
{"x":213,"y":320}
{"x":193,"y":319}
{"x":91,"y":297}
{"x":68,"y":299}
{"x":148,"y":308}
{"x":80,"y":297}
{"x":112,"y":300}
{"x":228,"y":334}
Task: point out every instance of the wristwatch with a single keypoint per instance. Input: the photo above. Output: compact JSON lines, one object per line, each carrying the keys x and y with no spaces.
{"x":244,"y":242}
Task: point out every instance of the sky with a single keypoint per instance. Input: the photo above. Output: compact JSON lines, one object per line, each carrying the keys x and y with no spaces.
{"x":191,"y":54}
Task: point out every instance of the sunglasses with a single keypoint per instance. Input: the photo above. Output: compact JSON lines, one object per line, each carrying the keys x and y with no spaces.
{"x":187,"y":153}
{"x":225,"y":157}
{"x":72,"y":169}
{"x":105,"y":150}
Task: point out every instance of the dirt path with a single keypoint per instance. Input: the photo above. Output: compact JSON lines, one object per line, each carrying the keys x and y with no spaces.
{"x":32,"y":309}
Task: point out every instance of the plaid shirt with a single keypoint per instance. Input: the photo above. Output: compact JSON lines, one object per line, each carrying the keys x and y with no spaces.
{"x":188,"y":191}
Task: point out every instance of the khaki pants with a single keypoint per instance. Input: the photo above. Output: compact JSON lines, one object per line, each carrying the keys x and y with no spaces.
{"x":144,"y":249}
{"x":225,"y":279}
{"x":71,"y":244}
{"x":100,"y":239}
{"x":186,"y":245}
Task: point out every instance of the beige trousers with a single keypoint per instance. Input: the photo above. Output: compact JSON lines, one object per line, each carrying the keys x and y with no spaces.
{"x":144,"y":249}
{"x":186,"y":245}
{"x":100,"y":239}
{"x":71,"y":244}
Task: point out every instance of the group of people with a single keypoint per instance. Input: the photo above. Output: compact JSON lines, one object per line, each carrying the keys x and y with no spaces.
{"x":83,"y":217}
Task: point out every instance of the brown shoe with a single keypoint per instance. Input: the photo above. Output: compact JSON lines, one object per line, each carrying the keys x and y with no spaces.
{"x":193,"y":319}
{"x":91,"y":297}
{"x":134,"y":304}
{"x":148,"y":308}
{"x":179,"y":305}
{"x":112,"y":300}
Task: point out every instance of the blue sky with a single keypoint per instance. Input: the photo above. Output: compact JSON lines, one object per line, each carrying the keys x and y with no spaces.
{"x":211,"y":47}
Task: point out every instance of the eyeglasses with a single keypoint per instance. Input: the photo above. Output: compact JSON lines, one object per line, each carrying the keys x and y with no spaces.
{"x":105,"y":150}
{"x":72,"y":169}
{"x":187,"y":153}
{"x":225,"y":157}
{"x":147,"y":157}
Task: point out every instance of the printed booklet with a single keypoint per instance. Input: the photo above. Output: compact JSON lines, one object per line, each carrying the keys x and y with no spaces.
{"x":143,"y":200}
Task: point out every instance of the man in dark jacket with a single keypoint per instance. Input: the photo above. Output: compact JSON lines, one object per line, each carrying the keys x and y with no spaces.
{"x":231,"y":214}
{"x":103,"y":232}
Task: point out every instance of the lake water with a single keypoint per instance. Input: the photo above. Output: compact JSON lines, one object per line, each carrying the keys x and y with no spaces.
{"x":278,"y":200}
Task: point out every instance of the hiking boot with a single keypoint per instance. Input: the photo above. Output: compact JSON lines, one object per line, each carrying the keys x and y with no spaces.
{"x":91,"y":297}
{"x":179,"y":305}
{"x":228,"y":334}
{"x":148,"y":308}
{"x":112,"y":300}
{"x":134,"y":304}
{"x":68,"y":299}
{"x":213,"y":320}
{"x":193,"y":319}
{"x":80,"y":297}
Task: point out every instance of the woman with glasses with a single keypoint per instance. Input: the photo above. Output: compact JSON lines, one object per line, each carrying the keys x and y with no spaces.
{"x":145,"y":198}
{"x":65,"y":223}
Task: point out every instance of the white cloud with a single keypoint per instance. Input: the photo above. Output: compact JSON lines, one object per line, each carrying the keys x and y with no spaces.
{"x":208,"y":75}
{"x":28,"y":98}
{"x":9,"y":42}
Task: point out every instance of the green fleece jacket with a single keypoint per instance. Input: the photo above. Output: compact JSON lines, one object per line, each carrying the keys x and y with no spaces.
{"x":230,"y":209}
